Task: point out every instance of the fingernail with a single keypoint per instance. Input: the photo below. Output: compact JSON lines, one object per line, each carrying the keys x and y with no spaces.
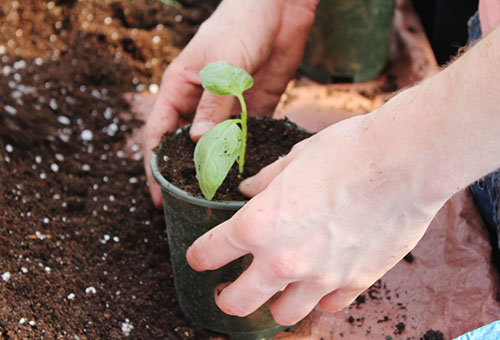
{"x":198,"y":129}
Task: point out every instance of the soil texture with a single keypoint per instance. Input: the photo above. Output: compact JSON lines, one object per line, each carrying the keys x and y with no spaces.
{"x":267,"y":140}
{"x":83,"y":251}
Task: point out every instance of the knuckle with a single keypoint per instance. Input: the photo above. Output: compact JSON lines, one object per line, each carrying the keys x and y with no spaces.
{"x":154,"y":128}
{"x":251,"y":237}
{"x":321,"y":283}
{"x":175,"y":67}
{"x":358,"y":284}
{"x":252,"y":230}
{"x":287,"y":266}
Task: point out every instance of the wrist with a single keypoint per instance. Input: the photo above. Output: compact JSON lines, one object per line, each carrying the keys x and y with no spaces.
{"x":408,"y":133}
{"x":444,"y":131}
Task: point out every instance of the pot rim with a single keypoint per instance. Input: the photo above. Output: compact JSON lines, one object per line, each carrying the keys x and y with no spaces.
{"x":183,"y":195}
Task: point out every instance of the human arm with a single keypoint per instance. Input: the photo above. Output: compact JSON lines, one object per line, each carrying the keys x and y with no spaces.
{"x":347,"y":204}
{"x":264,"y":37}
{"x":489,"y":14}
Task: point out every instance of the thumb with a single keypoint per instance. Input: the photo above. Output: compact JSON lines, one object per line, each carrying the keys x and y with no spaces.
{"x":212,"y":109}
{"x":255,"y":184}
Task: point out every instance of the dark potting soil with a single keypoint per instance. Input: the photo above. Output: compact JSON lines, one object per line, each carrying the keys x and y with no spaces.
{"x":83,"y":253}
{"x":268,"y":139}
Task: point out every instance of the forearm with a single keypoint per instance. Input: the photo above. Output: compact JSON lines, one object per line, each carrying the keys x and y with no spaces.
{"x":448,"y":127}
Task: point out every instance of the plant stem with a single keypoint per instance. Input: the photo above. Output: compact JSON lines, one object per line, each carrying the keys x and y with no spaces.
{"x":241,"y":161}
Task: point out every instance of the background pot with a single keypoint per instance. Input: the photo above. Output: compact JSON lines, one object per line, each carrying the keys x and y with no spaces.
{"x":349,"y":40}
{"x":188,"y":217}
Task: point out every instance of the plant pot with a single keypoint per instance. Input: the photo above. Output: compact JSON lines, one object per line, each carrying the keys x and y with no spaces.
{"x":188,"y":217}
{"x":349,"y":40}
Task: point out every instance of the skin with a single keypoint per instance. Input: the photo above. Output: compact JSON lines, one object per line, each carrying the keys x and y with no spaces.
{"x":365,"y":204}
{"x":266,"y":38}
{"x":489,"y":14}
{"x":373,"y":184}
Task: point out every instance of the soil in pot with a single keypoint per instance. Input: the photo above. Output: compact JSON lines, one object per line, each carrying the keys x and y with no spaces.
{"x":188,"y":216}
{"x":268,"y":139}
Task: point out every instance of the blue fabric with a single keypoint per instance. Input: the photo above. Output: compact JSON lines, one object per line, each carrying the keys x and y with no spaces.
{"x":488,"y":332}
{"x":474,"y":28}
{"x":486,"y":193}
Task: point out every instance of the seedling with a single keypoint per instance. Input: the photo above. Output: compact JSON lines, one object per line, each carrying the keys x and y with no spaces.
{"x":225,"y":143}
{"x":173,"y":3}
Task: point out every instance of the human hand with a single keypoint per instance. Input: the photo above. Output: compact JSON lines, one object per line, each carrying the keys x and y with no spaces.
{"x":326,"y":222}
{"x":348,"y":203}
{"x":266,"y":38}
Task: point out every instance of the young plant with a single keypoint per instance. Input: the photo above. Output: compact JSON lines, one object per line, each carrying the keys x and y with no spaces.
{"x":225,"y":143}
{"x":173,"y":3}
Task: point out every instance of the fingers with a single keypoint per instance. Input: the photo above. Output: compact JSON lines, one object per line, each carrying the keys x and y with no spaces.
{"x":299,"y":299}
{"x":211,"y":110}
{"x":255,"y":184}
{"x":155,"y":127}
{"x":295,"y":303}
{"x":201,"y":255}
{"x":155,"y":191}
{"x":240,"y":235}
{"x":178,"y":96}
{"x":250,"y":291}
{"x":272,"y":78}
{"x":339,"y":299}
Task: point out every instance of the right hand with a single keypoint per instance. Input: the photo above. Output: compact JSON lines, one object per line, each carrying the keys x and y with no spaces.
{"x":324,"y":222}
{"x":264,"y":37}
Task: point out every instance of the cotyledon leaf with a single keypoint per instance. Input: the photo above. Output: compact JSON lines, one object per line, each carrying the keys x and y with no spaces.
{"x":215,"y":154}
{"x":224,"y":78}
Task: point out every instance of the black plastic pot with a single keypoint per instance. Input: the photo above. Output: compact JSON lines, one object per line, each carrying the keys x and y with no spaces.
{"x":349,"y":40}
{"x":188,"y":217}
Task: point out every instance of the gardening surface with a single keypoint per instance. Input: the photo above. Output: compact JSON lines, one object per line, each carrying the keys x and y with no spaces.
{"x":83,"y":253}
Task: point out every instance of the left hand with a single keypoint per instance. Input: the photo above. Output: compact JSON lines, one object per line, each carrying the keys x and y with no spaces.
{"x":266,"y":38}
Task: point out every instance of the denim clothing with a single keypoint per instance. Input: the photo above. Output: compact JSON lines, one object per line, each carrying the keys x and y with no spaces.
{"x":474,"y":28}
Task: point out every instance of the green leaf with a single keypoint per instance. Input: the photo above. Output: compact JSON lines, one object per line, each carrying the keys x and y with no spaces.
{"x":173,"y":3}
{"x":215,"y":154}
{"x":223,"y":78}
